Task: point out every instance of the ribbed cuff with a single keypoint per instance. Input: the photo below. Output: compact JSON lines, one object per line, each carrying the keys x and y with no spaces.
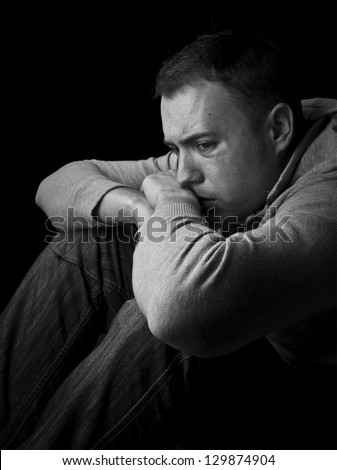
{"x":173,"y":209}
{"x":168,"y":212}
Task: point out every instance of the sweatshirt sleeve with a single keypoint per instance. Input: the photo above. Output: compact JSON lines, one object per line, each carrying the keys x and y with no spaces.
{"x":79,"y":186}
{"x":209,"y":295}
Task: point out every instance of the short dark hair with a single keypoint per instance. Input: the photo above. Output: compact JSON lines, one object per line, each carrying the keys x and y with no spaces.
{"x":256,"y":72}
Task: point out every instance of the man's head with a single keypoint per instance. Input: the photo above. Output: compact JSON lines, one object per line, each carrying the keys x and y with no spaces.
{"x":230,"y":110}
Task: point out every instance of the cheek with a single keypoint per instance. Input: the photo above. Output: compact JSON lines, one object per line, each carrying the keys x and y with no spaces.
{"x":229,"y":173}
{"x":220,"y":174}
{"x":232,"y":170}
{"x":233,"y":185}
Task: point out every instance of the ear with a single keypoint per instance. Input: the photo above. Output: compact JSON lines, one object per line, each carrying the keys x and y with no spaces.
{"x":281,"y":127}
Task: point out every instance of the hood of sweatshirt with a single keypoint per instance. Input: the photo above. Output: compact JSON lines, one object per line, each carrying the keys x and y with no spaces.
{"x":322,"y":112}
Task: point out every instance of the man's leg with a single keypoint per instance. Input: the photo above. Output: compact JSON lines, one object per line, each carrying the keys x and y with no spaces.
{"x":129,"y":393}
{"x":64,"y":304}
{"x":134,"y":392}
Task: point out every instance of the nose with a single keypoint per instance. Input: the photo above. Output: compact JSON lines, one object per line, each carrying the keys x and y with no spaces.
{"x":188,"y":172}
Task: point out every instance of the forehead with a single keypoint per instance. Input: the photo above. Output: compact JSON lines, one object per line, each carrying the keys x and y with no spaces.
{"x":205,"y":106}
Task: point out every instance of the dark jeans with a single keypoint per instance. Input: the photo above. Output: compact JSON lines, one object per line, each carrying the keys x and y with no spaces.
{"x":81,"y":370}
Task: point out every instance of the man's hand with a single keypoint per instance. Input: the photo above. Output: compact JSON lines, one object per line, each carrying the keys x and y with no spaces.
{"x":130,"y":205}
{"x":162,"y":188}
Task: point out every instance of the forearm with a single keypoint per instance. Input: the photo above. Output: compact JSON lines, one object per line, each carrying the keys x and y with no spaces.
{"x":76,"y":187}
{"x":123,"y":205}
{"x":79,"y":187}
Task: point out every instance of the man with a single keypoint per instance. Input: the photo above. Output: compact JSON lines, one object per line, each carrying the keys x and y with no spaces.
{"x":224,"y":312}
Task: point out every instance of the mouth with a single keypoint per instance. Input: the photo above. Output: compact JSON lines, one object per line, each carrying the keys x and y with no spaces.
{"x":207,"y":202}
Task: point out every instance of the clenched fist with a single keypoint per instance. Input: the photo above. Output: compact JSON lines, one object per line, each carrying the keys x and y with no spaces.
{"x":162,"y":188}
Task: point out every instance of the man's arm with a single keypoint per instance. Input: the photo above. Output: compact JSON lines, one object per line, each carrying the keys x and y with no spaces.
{"x":80,"y":188}
{"x":209,"y":296}
{"x":123,"y":205}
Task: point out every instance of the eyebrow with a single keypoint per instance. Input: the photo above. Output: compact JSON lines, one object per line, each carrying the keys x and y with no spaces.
{"x":190,"y":138}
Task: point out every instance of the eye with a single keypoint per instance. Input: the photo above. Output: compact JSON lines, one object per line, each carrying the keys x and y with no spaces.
{"x":205,"y":146}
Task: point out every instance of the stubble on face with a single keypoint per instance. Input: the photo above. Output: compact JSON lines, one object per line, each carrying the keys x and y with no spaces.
{"x":237,"y":171}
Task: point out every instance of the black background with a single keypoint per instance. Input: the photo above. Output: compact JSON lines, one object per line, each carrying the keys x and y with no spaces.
{"x":77,"y":82}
